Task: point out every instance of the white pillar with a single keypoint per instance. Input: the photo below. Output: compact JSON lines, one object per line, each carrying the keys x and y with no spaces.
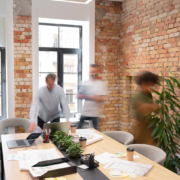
{"x":10,"y":60}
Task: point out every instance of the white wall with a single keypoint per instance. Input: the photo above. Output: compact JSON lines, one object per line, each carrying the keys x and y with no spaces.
{"x":68,"y":12}
{"x":63,"y":10}
{"x":9,"y":59}
{"x":2,"y":8}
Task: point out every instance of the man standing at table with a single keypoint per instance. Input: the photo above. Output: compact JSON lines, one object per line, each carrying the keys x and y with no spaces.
{"x":94,"y":93}
{"x":46,"y":104}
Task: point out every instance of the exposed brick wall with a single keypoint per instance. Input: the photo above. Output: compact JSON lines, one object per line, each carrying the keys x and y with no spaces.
{"x":150,"y":35}
{"x":22,"y":66}
{"x":107,"y":37}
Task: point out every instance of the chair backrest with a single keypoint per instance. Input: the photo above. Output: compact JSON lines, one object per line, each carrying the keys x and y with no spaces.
{"x":121,"y":136}
{"x":14,"y":122}
{"x":154,"y":153}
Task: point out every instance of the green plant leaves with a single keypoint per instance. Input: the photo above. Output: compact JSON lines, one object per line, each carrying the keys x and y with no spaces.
{"x":169,"y":84}
{"x":65,"y":142}
{"x":154,"y":121}
{"x":167,"y":124}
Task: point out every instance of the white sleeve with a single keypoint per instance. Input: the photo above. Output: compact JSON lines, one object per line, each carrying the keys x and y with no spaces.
{"x":34,"y":108}
{"x":64,"y":104}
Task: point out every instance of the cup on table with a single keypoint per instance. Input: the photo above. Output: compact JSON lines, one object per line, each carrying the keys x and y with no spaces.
{"x":73,"y":128}
{"x":82,"y":141}
{"x":130,"y":154}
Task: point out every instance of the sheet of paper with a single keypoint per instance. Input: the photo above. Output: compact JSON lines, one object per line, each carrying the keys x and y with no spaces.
{"x":124,"y":175}
{"x":30,"y":158}
{"x":105,"y":157}
{"x":115,"y":173}
{"x":39,"y":171}
{"x":57,"y":166}
{"x":96,"y":138}
{"x":129,"y":167}
{"x":14,"y":157}
{"x":136,"y":157}
{"x":83,"y":166}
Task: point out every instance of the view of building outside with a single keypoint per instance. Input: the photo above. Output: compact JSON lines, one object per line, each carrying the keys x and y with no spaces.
{"x":69,"y":38}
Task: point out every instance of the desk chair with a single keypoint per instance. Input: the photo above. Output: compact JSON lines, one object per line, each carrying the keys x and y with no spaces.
{"x":154,"y":153}
{"x":11,"y":122}
{"x":120,"y":136}
{"x":14,"y":122}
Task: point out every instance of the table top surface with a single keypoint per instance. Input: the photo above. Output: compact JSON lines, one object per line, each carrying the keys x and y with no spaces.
{"x":109,"y":145}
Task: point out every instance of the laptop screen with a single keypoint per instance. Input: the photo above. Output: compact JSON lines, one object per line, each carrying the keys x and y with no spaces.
{"x":35,"y":134}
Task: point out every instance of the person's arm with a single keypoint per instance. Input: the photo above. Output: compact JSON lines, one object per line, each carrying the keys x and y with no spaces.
{"x":33,"y":112}
{"x":64,"y":104}
{"x":146,"y":108}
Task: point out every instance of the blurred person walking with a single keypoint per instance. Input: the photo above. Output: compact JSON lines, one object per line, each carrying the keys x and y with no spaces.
{"x":143,"y":108}
{"x":94,"y":93}
{"x":46,"y":104}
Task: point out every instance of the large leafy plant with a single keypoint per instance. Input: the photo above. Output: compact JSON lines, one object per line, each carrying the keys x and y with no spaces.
{"x":166,"y":122}
{"x":74,"y":150}
{"x":64,"y":141}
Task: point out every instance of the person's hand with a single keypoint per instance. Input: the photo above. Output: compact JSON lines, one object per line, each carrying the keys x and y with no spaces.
{"x":32,"y":127}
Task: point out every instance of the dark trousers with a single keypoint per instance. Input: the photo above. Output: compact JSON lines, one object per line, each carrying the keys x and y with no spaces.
{"x":94,"y":121}
{"x":41,"y":122}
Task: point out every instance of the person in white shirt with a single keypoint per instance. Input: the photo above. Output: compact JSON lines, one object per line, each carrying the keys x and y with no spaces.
{"x":94,"y":93}
{"x":46,"y":104}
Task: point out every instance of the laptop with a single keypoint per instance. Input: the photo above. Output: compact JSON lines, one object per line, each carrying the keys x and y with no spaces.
{"x":59,"y":126}
{"x":19,"y":143}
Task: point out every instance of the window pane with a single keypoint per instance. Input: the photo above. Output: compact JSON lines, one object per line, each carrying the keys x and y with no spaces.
{"x":70,"y":81}
{"x":69,"y":37}
{"x":70,"y":63}
{"x":72,"y":103}
{"x":48,"y":61}
{"x":48,"y":36}
{"x":42,"y":79}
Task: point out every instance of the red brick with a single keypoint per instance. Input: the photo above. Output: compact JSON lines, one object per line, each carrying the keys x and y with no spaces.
{"x":27,"y":29}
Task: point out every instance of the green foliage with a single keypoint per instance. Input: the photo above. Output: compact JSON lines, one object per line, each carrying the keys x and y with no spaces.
{"x":65,"y":142}
{"x":74,"y":150}
{"x":166,"y":122}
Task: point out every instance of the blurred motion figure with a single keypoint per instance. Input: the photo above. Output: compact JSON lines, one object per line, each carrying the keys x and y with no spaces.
{"x":46,"y":104}
{"x":143,"y":106}
{"x":94,"y":93}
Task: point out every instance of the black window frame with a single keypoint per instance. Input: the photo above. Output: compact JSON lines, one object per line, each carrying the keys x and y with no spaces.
{"x":3,"y":83}
{"x":60,"y":52}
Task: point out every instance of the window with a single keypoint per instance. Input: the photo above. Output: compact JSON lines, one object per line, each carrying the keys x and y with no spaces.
{"x":69,"y":95}
{"x":2,"y":84}
{"x":61,"y":54}
{"x":55,"y":36}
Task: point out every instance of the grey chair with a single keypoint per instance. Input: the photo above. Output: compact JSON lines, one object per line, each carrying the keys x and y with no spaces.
{"x":154,"y":153}
{"x":14,"y":122}
{"x":121,"y":136}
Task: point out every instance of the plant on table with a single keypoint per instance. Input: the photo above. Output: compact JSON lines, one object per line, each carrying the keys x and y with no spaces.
{"x":58,"y":135}
{"x":67,"y":143}
{"x":167,"y":121}
{"x":74,"y":150}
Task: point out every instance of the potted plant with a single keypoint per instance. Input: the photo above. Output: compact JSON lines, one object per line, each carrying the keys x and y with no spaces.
{"x":74,"y":151}
{"x":67,"y":143}
{"x":167,"y":121}
{"x":58,"y":135}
